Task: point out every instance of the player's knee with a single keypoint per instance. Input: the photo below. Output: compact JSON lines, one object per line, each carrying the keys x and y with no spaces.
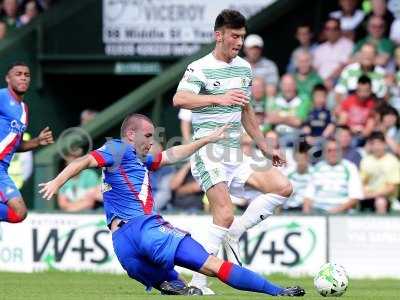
{"x":16,"y":216}
{"x":211,"y":266}
{"x":286,"y":189}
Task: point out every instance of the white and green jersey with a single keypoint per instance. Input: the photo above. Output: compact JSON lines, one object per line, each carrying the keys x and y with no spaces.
{"x":333,"y":185}
{"x":209,"y":76}
{"x":349,"y":78}
{"x":299,"y":182}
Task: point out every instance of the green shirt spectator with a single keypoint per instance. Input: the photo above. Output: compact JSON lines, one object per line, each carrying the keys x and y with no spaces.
{"x":306,"y":85}
{"x":80,"y":192}
{"x":383,"y":45}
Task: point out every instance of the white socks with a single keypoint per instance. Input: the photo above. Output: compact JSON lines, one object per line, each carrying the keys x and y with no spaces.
{"x":216,"y":235}
{"x":258,"y":210}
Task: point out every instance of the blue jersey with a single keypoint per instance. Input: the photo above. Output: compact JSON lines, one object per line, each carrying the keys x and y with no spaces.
{"x":13,"y":123}
{"x":126,"y":185}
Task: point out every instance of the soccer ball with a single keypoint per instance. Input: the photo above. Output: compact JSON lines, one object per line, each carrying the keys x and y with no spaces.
{"x":331,"y":280}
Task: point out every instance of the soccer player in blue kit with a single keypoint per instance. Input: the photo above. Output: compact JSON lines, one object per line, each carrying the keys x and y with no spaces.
{"x":13,"y":123}
{"x":148,"y":247}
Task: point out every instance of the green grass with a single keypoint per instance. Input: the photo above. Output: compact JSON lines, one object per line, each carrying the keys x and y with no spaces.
{"x":73,"y":286}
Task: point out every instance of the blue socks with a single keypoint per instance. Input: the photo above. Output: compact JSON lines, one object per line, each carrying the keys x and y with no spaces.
{"x":243,"y":279}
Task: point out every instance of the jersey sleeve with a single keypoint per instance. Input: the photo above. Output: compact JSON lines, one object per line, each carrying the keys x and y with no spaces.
{"x":109,"y":155}
{"x":153,"y":161}
{"x":193,"y":80}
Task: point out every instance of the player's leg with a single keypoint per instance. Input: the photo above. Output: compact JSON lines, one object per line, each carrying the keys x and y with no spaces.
{"x":191,"y":255}
{"x":12,"y":206}
{"x":138,"y":266}
{"x":273,"y":189}
{"x":211,"y":176}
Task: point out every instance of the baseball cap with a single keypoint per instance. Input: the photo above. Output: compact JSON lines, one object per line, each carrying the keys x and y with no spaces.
{"x":253,"y":40}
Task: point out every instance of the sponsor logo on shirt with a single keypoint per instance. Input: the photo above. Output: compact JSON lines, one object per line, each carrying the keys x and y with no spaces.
{"x":16,"y":127}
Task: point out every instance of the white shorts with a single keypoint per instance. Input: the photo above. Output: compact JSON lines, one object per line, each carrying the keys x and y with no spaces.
{"x":213,"y":164}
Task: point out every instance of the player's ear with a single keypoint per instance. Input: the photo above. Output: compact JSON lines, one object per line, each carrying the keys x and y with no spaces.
{"x":7,"y":78}
{"x":218,"y":36}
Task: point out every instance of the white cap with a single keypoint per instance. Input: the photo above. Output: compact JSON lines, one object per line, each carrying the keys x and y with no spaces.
{"x":253,"y":40}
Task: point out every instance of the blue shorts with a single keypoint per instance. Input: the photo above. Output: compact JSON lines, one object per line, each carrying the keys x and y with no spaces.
{"x":8,"y":189}
{"x":145,"y":247}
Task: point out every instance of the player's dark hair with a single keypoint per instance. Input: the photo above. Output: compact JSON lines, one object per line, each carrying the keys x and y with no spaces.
{"x":130,"y":122}
{"x":320,"y":88}
{"x":229,"y":18}
{"x":376,"y":135}
{"x":16,"y":64}
{"x":364,"y":79}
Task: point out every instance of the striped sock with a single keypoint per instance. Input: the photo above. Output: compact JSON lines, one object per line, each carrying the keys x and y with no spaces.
{"x":243,"y":279}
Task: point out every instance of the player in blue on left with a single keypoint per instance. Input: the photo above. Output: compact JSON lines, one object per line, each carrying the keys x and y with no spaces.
{"x":13,"y":123}
{"x":148,"y":247}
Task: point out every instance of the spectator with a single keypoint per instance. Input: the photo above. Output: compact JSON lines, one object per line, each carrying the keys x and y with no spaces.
{"x":319,"y":123}
{"x":87,"y":115}
{"x":331,"y":56}
{"x":344,"y":137}
{"x":348,"y":80}
{"x":262,"y":67}
{"x":389,"y":123}
{"x":306,"y":77}
{"x":9,"y":13}
{"x":335,"y":184}
{"x":3,"y":30}
{"x":31,"y":10}
{"x":81,"y":193}
{"x":187,"y":192}
{"x":357,"y":110}
{"x":161,"y":180}
{"x":393,"y":82}
{"x":288,"y":111}
{"x":350,"y":17}
{"x":379,"y":9}
{"x":185,"y":117}
{"x":300,"y":178}
{"x":376,"y":36}
{"x":258,"y":99}
{"x":304,"y":36}
{"x":380,"y":172}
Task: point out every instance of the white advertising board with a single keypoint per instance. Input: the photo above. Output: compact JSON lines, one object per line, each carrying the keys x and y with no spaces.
{"x":58,"y":242}
{"x":293,"y":245}
{"x":164,"y":28}
{"x":366,"y":246}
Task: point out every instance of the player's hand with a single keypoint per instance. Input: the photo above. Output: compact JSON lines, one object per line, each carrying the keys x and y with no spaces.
{"x":48,"y":189}
{"x":218,"y":134}
{"x":234,"y":97}
{"x":276,"y":156}
{"x":45,"y":137}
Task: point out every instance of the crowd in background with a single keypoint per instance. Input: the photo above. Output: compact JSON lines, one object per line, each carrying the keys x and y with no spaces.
{"x":17,"y":13}
{"x":334,"y":113}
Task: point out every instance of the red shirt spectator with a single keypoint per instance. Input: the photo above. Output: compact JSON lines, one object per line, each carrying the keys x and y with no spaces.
{"x":358,"y":110}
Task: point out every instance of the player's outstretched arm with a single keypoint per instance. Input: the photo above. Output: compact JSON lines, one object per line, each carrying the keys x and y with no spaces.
{"x":44,"y":138}
{"x":50,"y":188}
{"x":177,"y":153}
{"x":189,"y":100}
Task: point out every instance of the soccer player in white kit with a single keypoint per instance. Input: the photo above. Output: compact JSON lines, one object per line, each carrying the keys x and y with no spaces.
{"x":216,"y":88}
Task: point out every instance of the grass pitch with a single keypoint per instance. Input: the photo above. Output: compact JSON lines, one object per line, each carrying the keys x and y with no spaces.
{"x":87,"y":286}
